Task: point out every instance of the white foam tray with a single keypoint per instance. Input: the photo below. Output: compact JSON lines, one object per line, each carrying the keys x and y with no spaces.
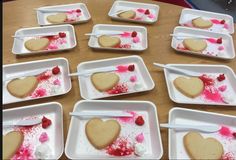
{"x":178,"y":97}
{"x":189,"y":14}
{"x":88,"y":91}
{"x":196,"y":117}
{"x":227,"y":43}
{"x":78,"y":147}
{"x":53,"y":111}
{"x":107,"y":28}
{"x":42,"y":16}
{"x":125,"y":5}
{"x":19,"y":47}
{"x":24,"y":67}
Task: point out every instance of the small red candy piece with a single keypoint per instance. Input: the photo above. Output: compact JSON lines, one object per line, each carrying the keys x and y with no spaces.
{"x":131,"y":67}
{"x":221,"y":77}
{"x":219,"y":41}
{"x":234,"y":134}
{"x":147,"y":12}
{"x":56,"y":70}
{"x":78,"y":10}
{"x":46,"y":122}
{"x":134,"y":34}
{"x":62,"y":34}
{"x":139,"y":121}
{"x":222,"y":21}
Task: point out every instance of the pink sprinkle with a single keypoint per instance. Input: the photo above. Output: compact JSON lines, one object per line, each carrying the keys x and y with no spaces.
{"x":128,"y":119}
{"x":133,"y":78}
{"x":151,"y":16}
{"x":122,"y":68}
{"x":43,"y":137}
{"x":23,"y":153}
{"x":212,"y":40}
{"x":57,"y":82}
{"x":126,"y":34}
{"x":226,"y":26}
{"x":136,"y":39}
{"x":141,"y":10}
{"x":228,"y":156}
{"x":215,"y":21}
{"x":211,"y":93}
{"x":225,"y":131}
{"x":222,"y":88}
{"x":140,"y":138}
{"x":220,"y":48}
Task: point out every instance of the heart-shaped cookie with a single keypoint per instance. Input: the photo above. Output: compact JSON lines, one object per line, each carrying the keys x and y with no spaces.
{"x":199,"y":148}
{"x":57,"y":18}
{"x":37,"y":44}
{"x":21,"y":88}
{"x":189,"y":86}
{"x":196,"y":45}
{"x":108,"y":41}
{"x":11,"y":143}
{"x":104,"y":81}
{"x":102,"y":133}
{"x":201,"y":23}
{"x":127,"y":14}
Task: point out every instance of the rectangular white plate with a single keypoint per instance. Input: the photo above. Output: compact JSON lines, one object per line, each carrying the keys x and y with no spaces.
{"x":83,"y":17}
{"x":213,"y":71}
{"x":59,"y":44}
{"x":52,"y":87}
{"x":139,"y":8}
{"x":52,"y":111}
{"x":187,"y":15}
{"x":78,"y":147}
{"x":127,"y":40}
{"x":143,"y":83}
{"x":195,"y":117}
{"x":213,"y":50}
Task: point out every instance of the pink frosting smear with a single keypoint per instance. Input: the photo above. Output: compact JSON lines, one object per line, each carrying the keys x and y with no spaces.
{"x":140,"y":138}
{"x":40,"y":92}
{"x":222,"y":88}
{"x":226,"y":26}
{"x":126,"y":34}
{"x":215,"y":21}
{"x":136,"y":39}
{"x":151,"y":16}
{"x":133,"y":78}
{"x":226,"y":132}
{"x":220,"y":48}
{"x":212,"y":40}
{"x":23,"y":153}
{"x":43,"y":137}
{"x":212,"y":94}
{"x":141,"y":10}
{"x":122,"y":68}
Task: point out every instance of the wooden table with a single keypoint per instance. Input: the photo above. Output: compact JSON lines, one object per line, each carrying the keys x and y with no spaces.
{"x":20,"y":13}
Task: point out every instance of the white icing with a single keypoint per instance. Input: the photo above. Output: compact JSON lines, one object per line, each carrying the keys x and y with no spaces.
{"x":139,"y":149}
{"x":43,"y":151}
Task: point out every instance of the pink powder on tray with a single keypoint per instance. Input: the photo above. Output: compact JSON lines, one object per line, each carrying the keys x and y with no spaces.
{"x":226,"y":132}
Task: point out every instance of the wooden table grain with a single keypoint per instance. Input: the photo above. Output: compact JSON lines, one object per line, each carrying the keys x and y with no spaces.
{"x":20,"y":13}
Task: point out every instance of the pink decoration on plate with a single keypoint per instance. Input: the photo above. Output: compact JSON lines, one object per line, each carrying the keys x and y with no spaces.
{"x":43,"y":137}
{"x":215,"y":21}
{"x":57,"y":82}
{"x":151,"y":16}
{"x":141,"y":10}
{"x":23,"y":153}
{"x":133,"y":78}
{"x":226,"y":26}
{"x":220,"y":48}
{"x":122,"y":68}
{"x":140,"y":138}
{"x":40,"y":92}
{"x":226,"y":132}
{"x":222,"y":88}
{"x":212,"y":40}
{"x":136,"y":39}
{"x":128,"y":119}
{"x":212,"y":94}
